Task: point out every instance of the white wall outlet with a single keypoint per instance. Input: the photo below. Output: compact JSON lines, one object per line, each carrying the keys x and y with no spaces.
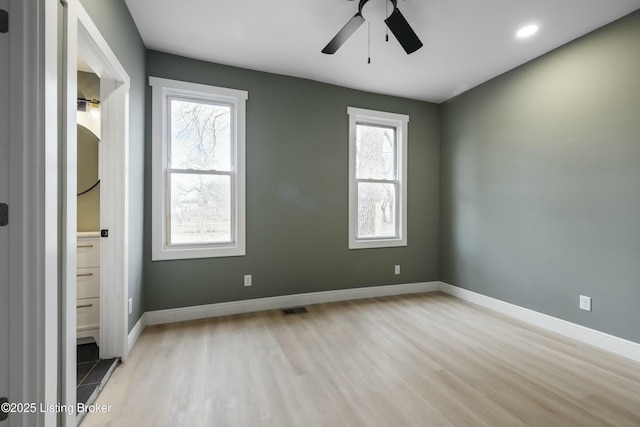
{"x":585,"y":303}
{"x":247,"y":280}
{"x":130,"y":305}
{"x":397,"y":269}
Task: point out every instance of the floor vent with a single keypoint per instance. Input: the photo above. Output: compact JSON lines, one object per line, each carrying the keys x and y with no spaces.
{"x":296,"y":310}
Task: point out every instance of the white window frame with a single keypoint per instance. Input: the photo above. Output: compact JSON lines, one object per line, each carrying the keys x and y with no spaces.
{"x":401,"y":123}
{"x":162,"y":91}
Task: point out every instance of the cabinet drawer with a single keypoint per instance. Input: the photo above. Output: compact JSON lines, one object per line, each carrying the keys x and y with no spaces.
{"x":88,"y":252}
{"x":88,"y":312}
{"x":88,"y":282}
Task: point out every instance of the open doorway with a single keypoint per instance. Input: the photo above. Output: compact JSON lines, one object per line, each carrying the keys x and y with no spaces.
{"x":95,"y":208}
{"x":88,"y":133}
{"x":92,"y":370}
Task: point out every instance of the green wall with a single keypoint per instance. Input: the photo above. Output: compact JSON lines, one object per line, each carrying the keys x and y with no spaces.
{"x":524,"y":188}
{"x":116,"y":25}
{"x":540,"y":173}
{"x":297,"y":194}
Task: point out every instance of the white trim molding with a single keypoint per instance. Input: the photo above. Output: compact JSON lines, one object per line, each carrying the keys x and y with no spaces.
{"x":85,"y":40}
{"x":81,"y":38}
{"x":163,"y":91}
{"x":33,"y":196}
{"x":182,"y":314}
{"x":135,"y":333}
{"x":611,"y":343}
{"x":400,"y":123}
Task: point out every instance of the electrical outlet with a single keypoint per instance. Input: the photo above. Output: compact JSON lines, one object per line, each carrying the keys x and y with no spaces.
{"x":247,"y":280}
{"x":585,"y":303}
{"x":130,"y":305}
{"x":397,"y":269}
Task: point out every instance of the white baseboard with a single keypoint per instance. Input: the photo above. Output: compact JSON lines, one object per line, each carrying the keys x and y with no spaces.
{"x":136,"y":331}
{"x":158,"y":317}
{"x":611,"y":343}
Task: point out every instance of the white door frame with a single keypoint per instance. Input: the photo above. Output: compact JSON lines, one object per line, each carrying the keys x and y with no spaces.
{"x":114,"y":183}
{"x":5,"y":63}
{"x":83,"y":38}
{"x":42,"y":258}
{"x":33,"y":203}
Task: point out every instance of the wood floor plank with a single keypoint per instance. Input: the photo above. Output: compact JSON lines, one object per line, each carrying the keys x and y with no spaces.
{"x":416,"y":360}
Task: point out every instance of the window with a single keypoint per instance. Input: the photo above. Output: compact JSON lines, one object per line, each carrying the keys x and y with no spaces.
{"x":377,"y":179}
{"x":198,"y":170}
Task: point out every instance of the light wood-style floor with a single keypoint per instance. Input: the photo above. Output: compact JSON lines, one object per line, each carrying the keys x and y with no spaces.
{"x":418,"y":360}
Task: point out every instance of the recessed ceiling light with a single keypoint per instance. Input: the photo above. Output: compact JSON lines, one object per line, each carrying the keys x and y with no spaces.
{"x":527,"y":31}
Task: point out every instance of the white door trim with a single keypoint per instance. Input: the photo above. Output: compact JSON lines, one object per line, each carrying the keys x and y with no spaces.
{"x":68,"y":197}
{"x":114,"y":185}
{"x":34,"y":274}
{"x":83,"y":38}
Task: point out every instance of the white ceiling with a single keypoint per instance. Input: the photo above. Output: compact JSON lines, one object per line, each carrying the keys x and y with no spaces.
{"x":466,"y":42}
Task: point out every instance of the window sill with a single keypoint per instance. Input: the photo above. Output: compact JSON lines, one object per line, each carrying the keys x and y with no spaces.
{"x":195,"y":253}
{"x":377,"y":243}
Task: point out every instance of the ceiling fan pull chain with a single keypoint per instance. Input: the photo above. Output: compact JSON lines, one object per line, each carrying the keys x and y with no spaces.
{"x":369,"y":42}
{"x":386,"y":37}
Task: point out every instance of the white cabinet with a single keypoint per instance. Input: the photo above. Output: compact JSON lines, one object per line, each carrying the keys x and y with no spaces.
{"x":88,"y":287}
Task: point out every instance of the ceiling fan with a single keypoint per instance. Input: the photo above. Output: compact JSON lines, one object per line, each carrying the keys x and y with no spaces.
{"x":396,"y":23}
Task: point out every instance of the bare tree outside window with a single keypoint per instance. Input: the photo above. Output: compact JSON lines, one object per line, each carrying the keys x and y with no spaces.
{"x":377,"y":178}
{"x":376,"y":173}
{"x":200,"y":173}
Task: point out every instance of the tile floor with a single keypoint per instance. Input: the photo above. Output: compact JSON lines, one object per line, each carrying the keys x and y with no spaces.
{"x":90,"y":371}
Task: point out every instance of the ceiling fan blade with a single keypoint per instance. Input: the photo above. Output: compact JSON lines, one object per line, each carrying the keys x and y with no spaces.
{"x":403,"y":31}
{"x":344,"y":34}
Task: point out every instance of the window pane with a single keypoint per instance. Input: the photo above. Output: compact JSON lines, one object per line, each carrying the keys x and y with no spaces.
{"x":200,"y":135}
{"x":200,"y":209}
{"x":376,"y":210}
{"x":375,"y":152}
